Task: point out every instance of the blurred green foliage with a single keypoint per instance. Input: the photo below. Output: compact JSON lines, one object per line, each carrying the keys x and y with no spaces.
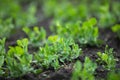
{"x":83,"y":33}
{"x":116,"y":29}
{"x":106,"y":11}
{"x":36,"y":36}
{"x":18,"y":14}
{"x":6,"y":27}
{"x":113,"y":75}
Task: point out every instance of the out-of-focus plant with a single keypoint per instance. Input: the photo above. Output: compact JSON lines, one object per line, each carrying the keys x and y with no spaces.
{"x":6,"y":27}
{"x":37,"y":36}
{"x":49,"y":7}
{"x":13,"y":9}
{"x":65,"y":11}
{"x":85,"y":72}
{"x":116,"y":9}
{"x":85,"y":33}
{"x":112,"y":75}
{"x":70,"y":11}
{"x":106,"y":18}
{"x":13,"y":16}
{"x":116,"y":29}
{"x":26,"y":18}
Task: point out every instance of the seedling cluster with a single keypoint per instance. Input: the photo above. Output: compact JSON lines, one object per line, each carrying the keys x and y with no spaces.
{"x":85,"y":33}
{"x":84,"y":72}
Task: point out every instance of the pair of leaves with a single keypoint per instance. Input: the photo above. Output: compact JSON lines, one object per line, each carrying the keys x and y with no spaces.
{"x":36,"y":36}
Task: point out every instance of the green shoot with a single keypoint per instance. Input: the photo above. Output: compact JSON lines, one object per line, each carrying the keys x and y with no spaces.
{"x":2,"y":55}
{"x":37,"y":36}
{"x":6,"y":27}
{"x":108,"y":58}
{"x":18,"y":59}
{"x":113,"y":75}
{"x":85,"y":72}
{"x":116,"y":29}
{"x":85,"y":34}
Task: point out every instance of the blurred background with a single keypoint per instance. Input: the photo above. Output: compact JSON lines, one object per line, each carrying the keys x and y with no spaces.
{"x":16,"y":14}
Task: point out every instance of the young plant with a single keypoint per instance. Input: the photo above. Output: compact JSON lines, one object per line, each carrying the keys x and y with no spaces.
{"x":116,"y":9}
{"x":19,"y":16}
{"x":49,"y":7}
{"x":85,"y":72}
{"x":87,"y":33}
{"x":1,"y":64}
{"x":116,"y":29}
{"x":112,"y":75}
{"x":108,"y":58}
{"x":37,"y":36}
{"x":66,"y":11}
{"x":18,"y":60}
{"x":2,"y":55}
{"x":6,"y":27}
{"x":71,"y":11}
{"x":57,"y":50}
{"x":105,"y":17}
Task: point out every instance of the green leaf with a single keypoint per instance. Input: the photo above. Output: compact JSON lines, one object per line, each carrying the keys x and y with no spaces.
{"x":1,"y":61}
{"x":92,"y":21}
{"x":23,"y":42}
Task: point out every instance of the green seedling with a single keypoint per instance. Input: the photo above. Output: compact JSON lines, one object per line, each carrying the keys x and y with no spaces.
{"x":68,"y":11}
{"x":85,"y":72}
{"x":18,"y":60}
{"x":19,"y":16}
{"x":49,"y":7}
{"x":116,"y":9}
{"x":2,"y":55}
{"x":57,"y":50}
{"x":2,"y":46}
{"x":113,"y":75}
{"x":108,"y":58}
{"x":105,"y":17}
{"x":87,"y":33}
{"x":6,"y":27}
{"x":36,"y":36}
{"x":1,"y":64}
{"x":116,"y":29}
